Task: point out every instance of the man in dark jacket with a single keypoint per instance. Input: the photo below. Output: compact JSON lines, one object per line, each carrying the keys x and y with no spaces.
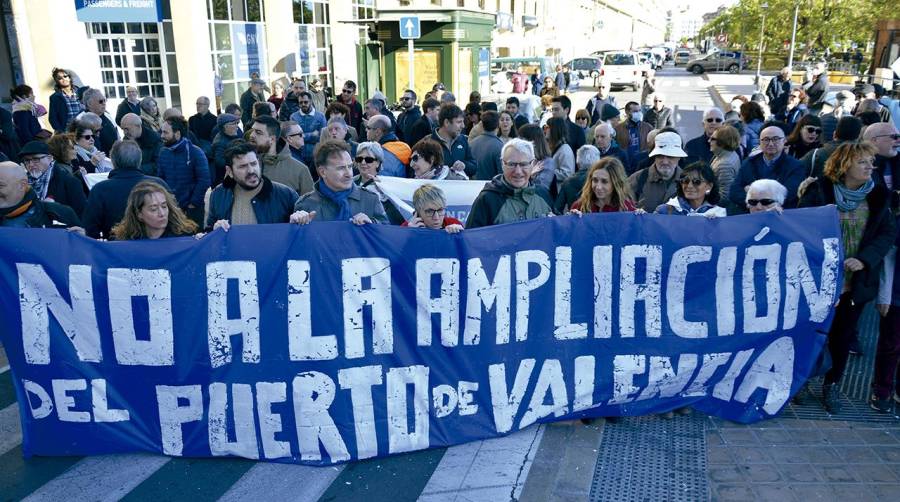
{"x":411,"y":113}
{"x":48,"y":183}
{"x":561,"y":108}
{"x":146,"y":138}
{"x":336,"y":197}
{"x":511,"y":196}
{"x":131,"y":104}
{"x":291,"y":103}
{"x":427,"y":123}
{"x":886,"y":139}
{"x":228,"y":131}
{"x":95,"y":102}
{"x":486,"y":148}
{"x":454,"y":144}
{"x":512,"y":107}
{"x":21,"y":208}
{"x":184,"y":167}
{"x":778,"y":90}
{"x":698,"y":148}
{"x":595,"y":105}
{"x":254,"y":94}
{"x":348,"y":98}
{"x":203,"y":122}
{"x":246,"y":197}
{"x":659,"y":115}
{"x":771,"y":163}
{"x":9,"y":143}
{"x":108,"y":199}
{"x":817,"y":89}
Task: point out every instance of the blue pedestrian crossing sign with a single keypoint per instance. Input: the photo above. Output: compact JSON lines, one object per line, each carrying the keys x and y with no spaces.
{"x":410,"y":28}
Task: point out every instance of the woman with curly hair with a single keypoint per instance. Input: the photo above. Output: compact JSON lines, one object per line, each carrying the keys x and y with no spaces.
{"x":152,"y":213}
{"x":150,"y":115}
{"x":605,"y":190}
{"x":867,"y":233}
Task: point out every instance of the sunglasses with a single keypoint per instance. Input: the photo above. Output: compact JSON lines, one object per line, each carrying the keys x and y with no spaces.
{"x":367,"y":160}
{"x":347,"y":91}
{"x":415,"y":157}
{"x":711,"y":120}
{"x":87,"y":136}
{"x":60,"y":77}
{"x":756,"y":202}
{"x":813,"y":130}
{"x":894,"y":137}
{"x":692,"y":181}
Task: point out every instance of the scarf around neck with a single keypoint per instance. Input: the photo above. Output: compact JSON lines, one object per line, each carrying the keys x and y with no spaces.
{"x":848,"y":200}
{"x":339,"y":198}
{"x":41,"y":183}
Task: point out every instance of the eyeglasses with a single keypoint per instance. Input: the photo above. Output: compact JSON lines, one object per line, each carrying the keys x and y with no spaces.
{"x":692,"y":181}
{"x":813,"y":130}
{"x":367,"y":160}
{"x":657,"y":101}
{"x":710,"y":120}
{"x":34,"y":160}
{"x":431,"y":213}
{"x":295,"y":135}
{"x":517,"y":165}
{"x":87,"y":136}
{"x":756,"y":202}
{"x":894,"y":137}
{"x":771,"y":140}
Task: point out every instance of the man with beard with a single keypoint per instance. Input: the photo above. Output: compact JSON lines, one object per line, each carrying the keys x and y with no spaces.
{"x":278,"y":166}
{"x":311,"y":121}
{"x":49,"y":183}
{"x":291,"y":101}
{"x":454,"y":144}
{"x":347,"y":97}
{"x":246,"y":197}
{"x":411,"y":113}
{"x":183,"y":166}
{"x":20,"y":206}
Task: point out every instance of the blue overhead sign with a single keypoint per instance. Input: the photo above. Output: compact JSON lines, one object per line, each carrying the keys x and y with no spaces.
{"x":118,"y":11}
{"x":410,"y":28}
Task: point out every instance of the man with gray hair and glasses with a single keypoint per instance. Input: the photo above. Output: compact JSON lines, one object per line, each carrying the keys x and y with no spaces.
{"x":772,"y":163}
{"x":511,"y":196}
{"x":108,"y":199}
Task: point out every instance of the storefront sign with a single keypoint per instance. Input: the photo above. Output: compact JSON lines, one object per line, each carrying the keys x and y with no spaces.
{"x":118,"y":11}
{"x":249,"y":46}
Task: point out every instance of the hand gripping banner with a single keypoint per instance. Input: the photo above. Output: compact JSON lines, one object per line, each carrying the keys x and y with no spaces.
{"x":330,"y":342}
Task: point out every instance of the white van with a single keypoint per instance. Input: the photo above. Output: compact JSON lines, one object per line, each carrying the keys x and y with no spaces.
{"x":623,"y":68}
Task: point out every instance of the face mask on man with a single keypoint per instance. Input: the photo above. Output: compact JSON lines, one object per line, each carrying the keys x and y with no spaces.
{"x":637,"y":116}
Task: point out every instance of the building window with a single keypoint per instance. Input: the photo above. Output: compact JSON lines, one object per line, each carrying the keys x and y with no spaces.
{"x":312,"y":21}
{"x":237,"y":38}
{"x":134,"y":54}
{"x":362,"y":10}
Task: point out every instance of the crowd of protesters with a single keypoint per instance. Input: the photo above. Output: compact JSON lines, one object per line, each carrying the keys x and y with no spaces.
{"x":298,"y":157}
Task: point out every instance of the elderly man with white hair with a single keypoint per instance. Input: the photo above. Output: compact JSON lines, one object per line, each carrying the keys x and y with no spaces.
{"x":604,"y":134}
{"x":765,"y":195}
{"x":887,"y":157}
{"x":20,"y":206}
{"x":698,"y":148}
{"x":95,"y":102}
{"x":511,"y":196}
{"x":570,"y":191}
{"x":772,"y":163}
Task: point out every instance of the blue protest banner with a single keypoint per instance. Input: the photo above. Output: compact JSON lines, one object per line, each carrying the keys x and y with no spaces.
{"x":329,"y":342}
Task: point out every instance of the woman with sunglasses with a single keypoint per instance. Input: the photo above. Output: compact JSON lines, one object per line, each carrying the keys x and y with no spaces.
{"x":868,"y":231}
{"x":431,"y":211}
{"x":697,"y":193}
{"x":367,"y":161}
{"x":88,"y":158}
{"x":64,"y":103}
{"x":805,"y":137}
{"x":427,"y":161}
{"x":765,"y":195}
{"x":605,"y":189}
{"x":796,"y":108}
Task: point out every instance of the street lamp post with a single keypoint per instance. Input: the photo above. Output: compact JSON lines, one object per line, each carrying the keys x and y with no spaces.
{"x":793,"y":35}
{"x":762,"y":30}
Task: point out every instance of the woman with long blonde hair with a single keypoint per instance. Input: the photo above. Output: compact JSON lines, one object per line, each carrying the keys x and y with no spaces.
{"x":152,"y":213}
{"x":605,"y":189}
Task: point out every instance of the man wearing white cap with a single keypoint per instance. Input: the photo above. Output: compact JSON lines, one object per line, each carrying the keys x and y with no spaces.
{"x":658,"y":183}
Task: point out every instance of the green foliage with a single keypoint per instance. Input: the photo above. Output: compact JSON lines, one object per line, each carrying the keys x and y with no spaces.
{"x":820,"y":24}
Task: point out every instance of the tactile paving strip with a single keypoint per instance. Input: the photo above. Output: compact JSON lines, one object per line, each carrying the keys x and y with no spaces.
{"x":855,"y":386}
{"x":652,"y":459}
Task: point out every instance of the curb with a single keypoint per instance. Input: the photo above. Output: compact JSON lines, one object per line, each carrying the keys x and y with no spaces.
{"x":714,"y":93}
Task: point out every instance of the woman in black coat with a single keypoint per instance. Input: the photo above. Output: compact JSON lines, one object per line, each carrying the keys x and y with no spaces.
{"x":867,"y":233}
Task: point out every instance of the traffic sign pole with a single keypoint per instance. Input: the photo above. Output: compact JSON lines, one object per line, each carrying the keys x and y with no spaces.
{"x":412,"y":72}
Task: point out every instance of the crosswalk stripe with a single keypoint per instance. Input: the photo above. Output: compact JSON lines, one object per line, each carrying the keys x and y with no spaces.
{"x":7,"y":392}
{"x":282,"y":482}
{"x":398,"y":478}
{"x":684,"y":83}
{"x":10,"y":428}
{"x":191,"y":478}
{"x":492,"y":469}
{"x":104,"y":477}
{"x":19,"y":477}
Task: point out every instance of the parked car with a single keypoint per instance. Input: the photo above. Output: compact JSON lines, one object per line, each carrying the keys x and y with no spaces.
{"x":623,"y":68}
{"x":652,"y":59}
{"x":586,"y":66}
{"x":682,"y":56}
{"x":716,"y":61}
